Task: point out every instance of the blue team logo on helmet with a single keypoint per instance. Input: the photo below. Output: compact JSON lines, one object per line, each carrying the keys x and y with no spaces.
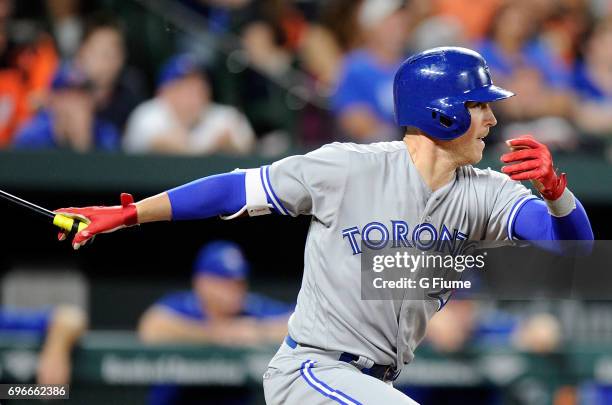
{"x":431,"y":88}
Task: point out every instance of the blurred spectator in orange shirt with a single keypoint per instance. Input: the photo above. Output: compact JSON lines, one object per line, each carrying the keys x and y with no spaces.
{"x":474,"y":15}
{"x":26,"y":71}
{"x":117,"y":89}
{"x":12,"y":104}
{"x":69,"y":120}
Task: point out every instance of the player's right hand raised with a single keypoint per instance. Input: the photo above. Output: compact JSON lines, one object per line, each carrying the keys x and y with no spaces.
{"x":101,"y":219}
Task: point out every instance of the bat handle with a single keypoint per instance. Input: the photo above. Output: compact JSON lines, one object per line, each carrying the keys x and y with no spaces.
{"x":70,"y":225}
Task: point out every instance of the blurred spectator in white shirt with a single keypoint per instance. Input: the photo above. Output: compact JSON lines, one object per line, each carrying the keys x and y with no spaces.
{"x":182,"y":119}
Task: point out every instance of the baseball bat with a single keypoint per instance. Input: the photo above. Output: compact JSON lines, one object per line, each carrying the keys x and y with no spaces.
{"x":70,"y":225}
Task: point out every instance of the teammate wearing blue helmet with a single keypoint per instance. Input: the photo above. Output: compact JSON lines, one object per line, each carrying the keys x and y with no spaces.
{"x":218,"y":309}
{"x":341,"y":349}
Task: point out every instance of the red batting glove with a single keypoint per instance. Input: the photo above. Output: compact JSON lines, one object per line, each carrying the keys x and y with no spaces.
{"x":531,"y":160}
{"x":101,"y":219}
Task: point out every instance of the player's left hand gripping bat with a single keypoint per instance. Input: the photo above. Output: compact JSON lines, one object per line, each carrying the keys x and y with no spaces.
{"x":68,"y":224}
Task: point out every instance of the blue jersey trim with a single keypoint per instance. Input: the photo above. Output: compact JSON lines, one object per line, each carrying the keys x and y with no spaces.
{"x":441,"y":303}
{"x":268,"y":186}
{"x":290,"y":342}
{"x":322,"y":388}
{"x":512,"y":216}
{"x":268,"y":196}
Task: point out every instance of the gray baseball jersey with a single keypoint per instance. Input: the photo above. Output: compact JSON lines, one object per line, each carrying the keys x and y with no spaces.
{"x":367,"y":193}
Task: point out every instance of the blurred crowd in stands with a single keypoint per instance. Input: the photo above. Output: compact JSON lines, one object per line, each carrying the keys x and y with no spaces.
{"x":196,"y":77}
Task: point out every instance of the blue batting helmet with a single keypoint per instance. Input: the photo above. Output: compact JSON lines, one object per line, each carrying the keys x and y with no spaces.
{"x":431,"y":88}
{"x":222,"y":259}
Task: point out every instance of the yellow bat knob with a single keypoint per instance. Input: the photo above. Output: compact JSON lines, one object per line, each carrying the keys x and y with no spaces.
{"x":67,"y":223}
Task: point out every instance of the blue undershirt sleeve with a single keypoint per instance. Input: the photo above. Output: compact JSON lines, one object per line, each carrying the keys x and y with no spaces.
{"x":533,"y":222}
{"x":221,"y":194}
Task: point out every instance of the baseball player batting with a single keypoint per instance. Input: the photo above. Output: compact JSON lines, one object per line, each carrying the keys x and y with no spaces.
{"x":340,"y":348}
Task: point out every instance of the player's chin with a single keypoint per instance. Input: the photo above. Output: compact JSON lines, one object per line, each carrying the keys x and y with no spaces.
{"x":477,"y":151}
{"x":474,"y":157}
